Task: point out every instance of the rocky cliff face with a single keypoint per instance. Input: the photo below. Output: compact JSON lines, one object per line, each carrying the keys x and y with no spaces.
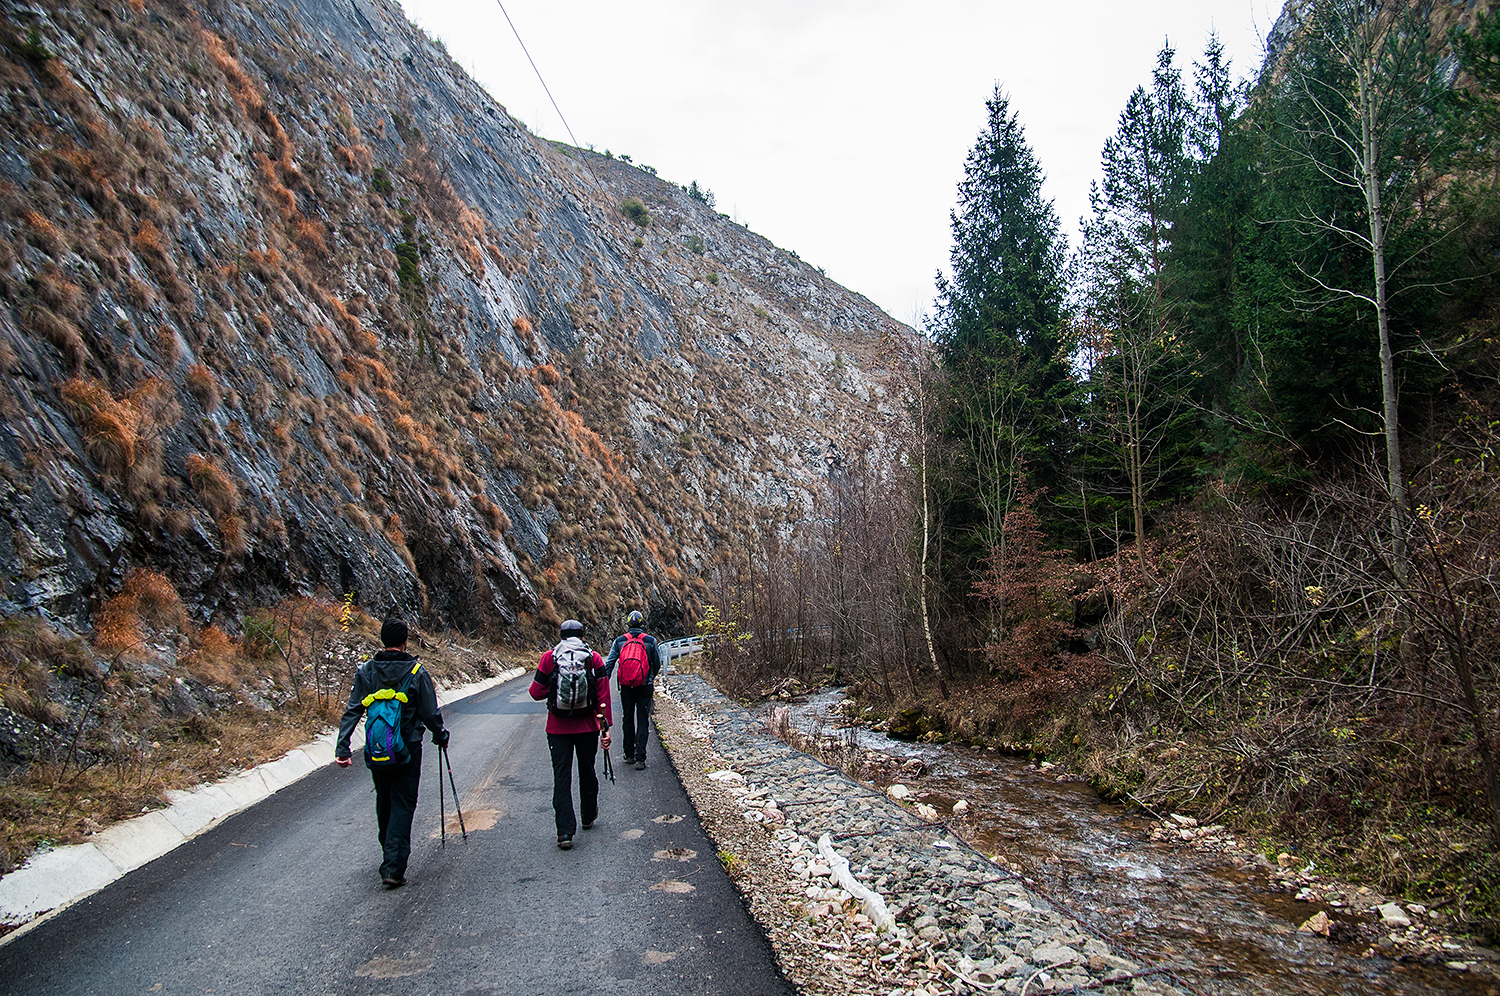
{"x":288,"y":303}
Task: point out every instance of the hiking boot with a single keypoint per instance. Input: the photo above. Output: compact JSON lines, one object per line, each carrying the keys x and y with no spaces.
{"x":393,"y":881}
{"x":565,"y":841}
{"x":640,"y":764}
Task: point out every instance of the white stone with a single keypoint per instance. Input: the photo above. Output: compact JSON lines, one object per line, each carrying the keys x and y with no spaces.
{"x":727,"y":777}
{"x":898,"y":791}
{"x":1393,"y":915}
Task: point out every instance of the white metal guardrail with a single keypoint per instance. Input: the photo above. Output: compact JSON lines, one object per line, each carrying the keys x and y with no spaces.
{"x":672,"y":649}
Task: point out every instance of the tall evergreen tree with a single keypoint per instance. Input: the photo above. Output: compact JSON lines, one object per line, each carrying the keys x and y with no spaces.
{"x":1005,"y":389}
{"x":1136,"y":372}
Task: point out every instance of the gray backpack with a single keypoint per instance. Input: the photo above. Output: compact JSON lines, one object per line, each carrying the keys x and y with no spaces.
{"x":573,"y":688}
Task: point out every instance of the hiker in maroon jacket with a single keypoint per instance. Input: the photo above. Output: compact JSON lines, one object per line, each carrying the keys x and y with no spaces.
{"x":572,"y":679}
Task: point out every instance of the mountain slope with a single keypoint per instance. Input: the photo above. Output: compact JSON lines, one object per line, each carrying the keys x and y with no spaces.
{"x":289,"y":304}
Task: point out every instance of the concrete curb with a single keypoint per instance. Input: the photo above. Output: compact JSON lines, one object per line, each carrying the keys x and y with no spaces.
{"x":54,"y":880}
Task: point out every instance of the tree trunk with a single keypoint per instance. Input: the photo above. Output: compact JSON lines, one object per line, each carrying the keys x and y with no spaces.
{"x":1395,"y":480}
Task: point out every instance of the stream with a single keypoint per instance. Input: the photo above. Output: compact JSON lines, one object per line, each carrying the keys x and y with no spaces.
{"x":1224,"y":928}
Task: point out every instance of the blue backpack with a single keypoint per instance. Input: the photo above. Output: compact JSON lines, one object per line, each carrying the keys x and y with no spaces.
{"x":384,"y":744}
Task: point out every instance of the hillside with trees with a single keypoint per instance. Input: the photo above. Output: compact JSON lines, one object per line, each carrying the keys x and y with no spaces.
{"x":1208,"y":504}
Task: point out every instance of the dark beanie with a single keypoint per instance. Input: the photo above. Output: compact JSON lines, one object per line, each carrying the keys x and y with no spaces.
{"x":393,"y":632}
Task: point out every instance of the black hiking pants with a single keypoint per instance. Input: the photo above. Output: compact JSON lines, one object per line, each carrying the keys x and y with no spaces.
{"x":635,"y":721}
{"x":395,"y":804}
{"x":564,"y":747}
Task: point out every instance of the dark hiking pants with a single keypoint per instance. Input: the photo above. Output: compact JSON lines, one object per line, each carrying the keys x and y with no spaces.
{"x":635,"y":721}
{"x":564,"y":747}
{"x":395,"y":804}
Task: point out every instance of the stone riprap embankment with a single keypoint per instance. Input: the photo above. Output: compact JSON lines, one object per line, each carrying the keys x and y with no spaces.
{"x":961,"y":924}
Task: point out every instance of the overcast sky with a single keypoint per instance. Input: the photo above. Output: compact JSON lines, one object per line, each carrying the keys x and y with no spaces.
{"x":837,"y":128}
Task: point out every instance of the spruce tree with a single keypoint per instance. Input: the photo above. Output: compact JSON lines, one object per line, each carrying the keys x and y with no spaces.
{"x":1004,"y":393}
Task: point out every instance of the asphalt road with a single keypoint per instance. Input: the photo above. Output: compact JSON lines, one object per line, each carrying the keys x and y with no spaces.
{"x":286,"y":896}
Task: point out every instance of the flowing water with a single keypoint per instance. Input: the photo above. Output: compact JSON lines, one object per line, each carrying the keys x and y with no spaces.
{"x":1223,"y":927}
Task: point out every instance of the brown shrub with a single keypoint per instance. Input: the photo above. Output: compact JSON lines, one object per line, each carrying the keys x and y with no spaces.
{"x":234,"y":536}
{"x":147,"y":599}
{"x":214,"y":658}
{"x":214,"y":487}
{"x":240,"y":85}
{"x":374,"y":436}
{"x":57,"y":330}
{"x":43,"y":234}
{"x":59,"y":293}
{"x":310,"y":236}
{"x":204,"y":386}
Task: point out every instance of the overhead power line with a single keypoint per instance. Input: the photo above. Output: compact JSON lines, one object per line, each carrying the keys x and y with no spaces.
{"x":538,"y":73}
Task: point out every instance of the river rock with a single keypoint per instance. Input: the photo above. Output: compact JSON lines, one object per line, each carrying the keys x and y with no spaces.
{"x":1318,"y":923}
{"x":898,"y":792}
{"x":1392,"y":915}
{"x":1054,"y":955}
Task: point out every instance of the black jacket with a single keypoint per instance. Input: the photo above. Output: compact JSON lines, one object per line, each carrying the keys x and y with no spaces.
{"x":385,"y":670}
{"x":653,"y":655}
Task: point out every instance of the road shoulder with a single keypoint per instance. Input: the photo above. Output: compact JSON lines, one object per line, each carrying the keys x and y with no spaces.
{"x":53,"y":880}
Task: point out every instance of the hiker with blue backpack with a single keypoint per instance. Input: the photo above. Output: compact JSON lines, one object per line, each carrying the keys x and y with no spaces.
{"x":397,"y":698}
{"x":634,"y":661}
{"x":573,"y":680}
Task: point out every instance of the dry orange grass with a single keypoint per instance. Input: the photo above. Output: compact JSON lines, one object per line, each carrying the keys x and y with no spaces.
{"x":374,"y":436}
{"x":495,"y":519}
{"x":147,"y":599}
{"x":203,"y":385}
{"x":240,"y":85}
{"x":281,"y":439}
{"x":234,"y":535}
{"x":110,"y":427}
{"x":266,"y":265}
{"x":215,"y":658}
{"x":213,"y":486}
{"x":167,"y":345}
{"x":311,"y":236}
{"x":59,"y":293}
{"x":57,"y":330}
{"x":474,"y":257}
{"x":148,"y":240}
{"x":281,"y":195}
{"x":521,"y":326}
{"x":43,"y":234}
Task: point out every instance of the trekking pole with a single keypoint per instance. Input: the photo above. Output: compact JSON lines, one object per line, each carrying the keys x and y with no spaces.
{"x":609,"y":769}
{"x":456,"y":807}
{"x":442,"y":810}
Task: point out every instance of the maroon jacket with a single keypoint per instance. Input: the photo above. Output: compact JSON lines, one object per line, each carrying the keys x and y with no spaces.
{"x":541,"y":685}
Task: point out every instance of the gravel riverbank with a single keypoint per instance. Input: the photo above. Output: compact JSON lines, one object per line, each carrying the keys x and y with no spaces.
{"x":958,"y":923}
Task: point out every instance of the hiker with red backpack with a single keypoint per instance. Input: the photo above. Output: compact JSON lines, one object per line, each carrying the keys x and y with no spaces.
{"x":637,"y":660}
{"x":397,"y":698}
{"x":573,"y":680}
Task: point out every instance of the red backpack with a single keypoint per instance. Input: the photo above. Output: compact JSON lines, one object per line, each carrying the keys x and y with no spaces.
{"x":635,"y":668}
